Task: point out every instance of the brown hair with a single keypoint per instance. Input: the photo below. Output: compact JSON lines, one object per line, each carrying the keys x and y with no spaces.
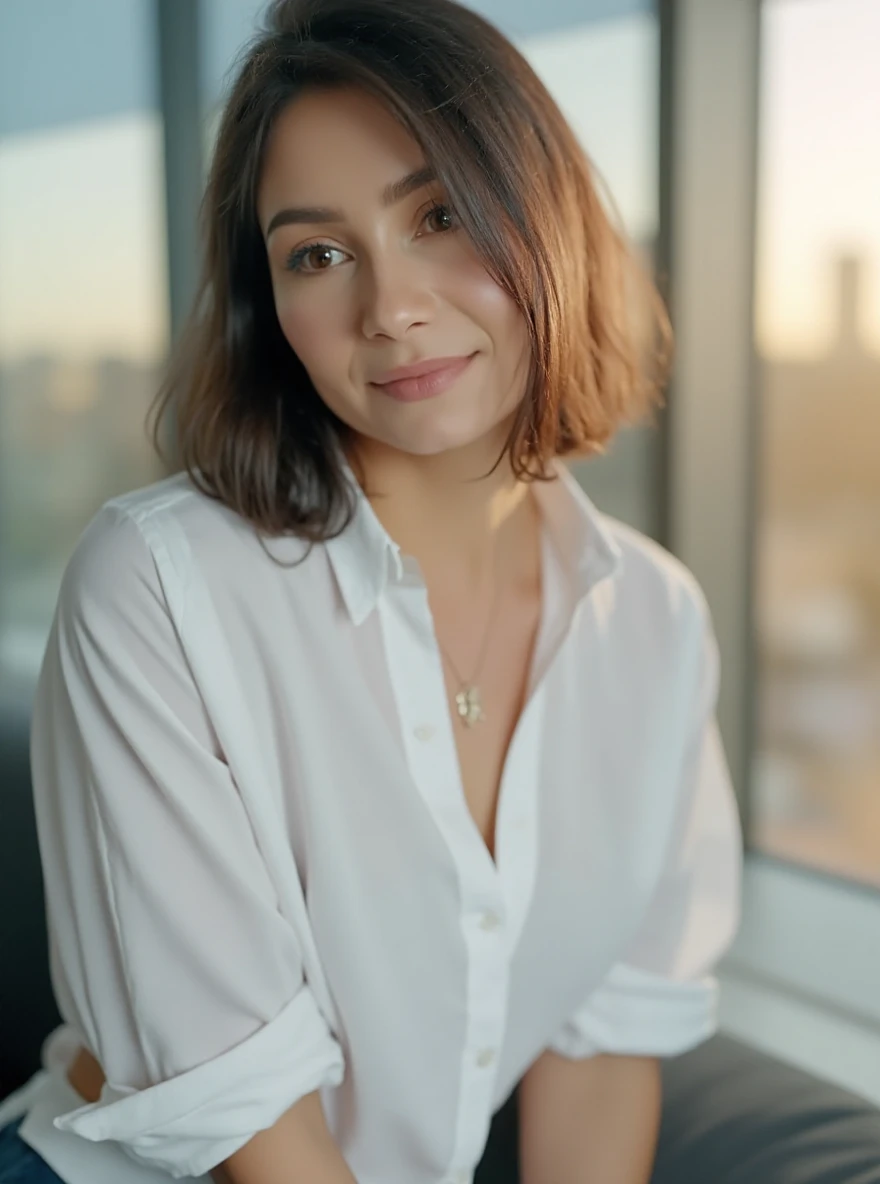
{"x":248,"y":425}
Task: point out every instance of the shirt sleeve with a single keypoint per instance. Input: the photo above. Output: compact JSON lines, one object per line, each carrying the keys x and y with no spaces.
{"x":660,"y":999}
{"x":168,"y":951}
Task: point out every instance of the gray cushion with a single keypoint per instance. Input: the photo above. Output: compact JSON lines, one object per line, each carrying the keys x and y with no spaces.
{"x":27,"y":1006}
{"x":732,"y":1115}
{"x":735,"y":1116}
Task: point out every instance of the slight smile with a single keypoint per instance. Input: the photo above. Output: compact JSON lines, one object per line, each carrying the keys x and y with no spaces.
{"x":408,"y":390}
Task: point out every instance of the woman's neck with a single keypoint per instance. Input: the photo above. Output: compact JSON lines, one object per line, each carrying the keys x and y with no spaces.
{"x":463,"y":528}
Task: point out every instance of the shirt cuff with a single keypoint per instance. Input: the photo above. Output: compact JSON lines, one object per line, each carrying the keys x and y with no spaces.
{"x":635,"y":1013}
{"x":190,"y":1123}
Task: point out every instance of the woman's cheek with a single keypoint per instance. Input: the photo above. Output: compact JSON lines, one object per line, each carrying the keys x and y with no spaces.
{"x":304,"y":326}
{"x":490,"y":296}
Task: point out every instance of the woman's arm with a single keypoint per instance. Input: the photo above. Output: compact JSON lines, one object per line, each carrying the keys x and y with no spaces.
{"x":589,"y":1121}
{"x":298,"y":1149}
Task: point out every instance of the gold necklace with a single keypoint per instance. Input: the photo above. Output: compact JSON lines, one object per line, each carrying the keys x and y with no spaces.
{"x":468,"y":700}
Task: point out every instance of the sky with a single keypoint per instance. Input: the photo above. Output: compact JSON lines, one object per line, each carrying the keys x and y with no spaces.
{"x":819,"y":167}
{"x":82,"y":264}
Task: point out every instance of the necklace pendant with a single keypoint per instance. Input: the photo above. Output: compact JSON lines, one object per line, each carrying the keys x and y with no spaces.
{"x":469,"y":706}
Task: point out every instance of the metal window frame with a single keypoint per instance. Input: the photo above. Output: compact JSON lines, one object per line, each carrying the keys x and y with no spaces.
{"x":178,"y":45}
{"x":178,"y":33}
{"x":804,"y":933}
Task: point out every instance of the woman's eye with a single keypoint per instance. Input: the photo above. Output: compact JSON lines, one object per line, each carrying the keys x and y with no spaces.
{"x":323,"y":252}
{"x":447,"y":214}
{"x":296,"y":258}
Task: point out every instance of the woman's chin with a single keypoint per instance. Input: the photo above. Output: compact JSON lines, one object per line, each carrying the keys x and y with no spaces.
{"x":444,"y":429}
{"x":434,"y":440}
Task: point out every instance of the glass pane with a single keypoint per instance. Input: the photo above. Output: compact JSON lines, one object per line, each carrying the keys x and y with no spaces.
{"x":83,"y":329}
{"x":817,"y":596}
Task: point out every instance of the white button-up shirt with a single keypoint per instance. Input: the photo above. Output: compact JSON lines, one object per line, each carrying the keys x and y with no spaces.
{"x":262,"y":876}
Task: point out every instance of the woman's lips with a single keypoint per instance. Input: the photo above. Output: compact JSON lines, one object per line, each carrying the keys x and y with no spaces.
{"x":408,"y":390}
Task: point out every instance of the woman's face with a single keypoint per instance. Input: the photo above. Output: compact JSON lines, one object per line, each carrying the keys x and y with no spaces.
{"x":381,"y":284}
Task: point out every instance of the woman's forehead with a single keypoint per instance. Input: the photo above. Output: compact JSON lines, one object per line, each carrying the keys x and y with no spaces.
{"x":328,"y":144}
{"x":338,"y":118}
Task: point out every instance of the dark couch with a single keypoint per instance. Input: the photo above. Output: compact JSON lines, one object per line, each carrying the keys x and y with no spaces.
{"x":731,"y":1114}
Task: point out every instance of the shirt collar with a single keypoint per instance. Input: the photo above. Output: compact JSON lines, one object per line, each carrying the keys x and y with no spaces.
{"x":365,"y":557}
{"x":582,"y":533}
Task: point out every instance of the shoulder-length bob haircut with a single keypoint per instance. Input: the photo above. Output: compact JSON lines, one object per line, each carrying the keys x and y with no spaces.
{"x":246,"y":421}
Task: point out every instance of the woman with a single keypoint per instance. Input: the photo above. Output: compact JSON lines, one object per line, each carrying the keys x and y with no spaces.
{"x":376,"y":770}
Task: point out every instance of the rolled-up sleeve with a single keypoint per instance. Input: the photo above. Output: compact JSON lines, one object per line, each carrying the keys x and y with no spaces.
{"x":168,"y":950}
{"x":660,"y":998}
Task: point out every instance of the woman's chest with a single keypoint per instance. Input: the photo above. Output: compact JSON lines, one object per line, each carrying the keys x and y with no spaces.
{"x":503,"y":686}
{"x":357,"y":753}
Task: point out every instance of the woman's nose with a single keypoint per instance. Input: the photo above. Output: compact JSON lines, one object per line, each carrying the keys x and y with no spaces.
{"x":397,"y":294}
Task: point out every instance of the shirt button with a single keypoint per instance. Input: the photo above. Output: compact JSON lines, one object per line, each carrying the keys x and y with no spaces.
{"x":423,"y":732}
{"x":485,"y":1057}
{"x":490,"y":920}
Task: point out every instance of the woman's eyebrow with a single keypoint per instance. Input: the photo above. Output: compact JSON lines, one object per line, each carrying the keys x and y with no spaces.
{"x":392,"y":193}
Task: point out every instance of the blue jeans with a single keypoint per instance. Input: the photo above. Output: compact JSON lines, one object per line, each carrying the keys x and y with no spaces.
{"x":19,"y":1163}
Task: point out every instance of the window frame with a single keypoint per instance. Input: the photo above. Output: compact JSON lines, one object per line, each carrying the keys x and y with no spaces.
{"x":804,"y":933}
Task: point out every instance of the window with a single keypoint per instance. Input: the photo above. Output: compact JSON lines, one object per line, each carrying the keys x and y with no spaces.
{"x":801,"y":978}
{"x":83,"y":305}
{"x":816,"y":774}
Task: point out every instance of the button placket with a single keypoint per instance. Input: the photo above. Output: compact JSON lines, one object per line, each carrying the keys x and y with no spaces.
{"x":420,"y":694}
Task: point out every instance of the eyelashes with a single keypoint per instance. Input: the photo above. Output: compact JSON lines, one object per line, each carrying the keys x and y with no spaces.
{"x":295,"y":260}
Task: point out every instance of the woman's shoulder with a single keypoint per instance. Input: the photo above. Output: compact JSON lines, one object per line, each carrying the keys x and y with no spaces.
{"x":652,"y":580}
{"x":147,"y":551}
{"x":645,"y":576}
{"x":140,"y":545}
